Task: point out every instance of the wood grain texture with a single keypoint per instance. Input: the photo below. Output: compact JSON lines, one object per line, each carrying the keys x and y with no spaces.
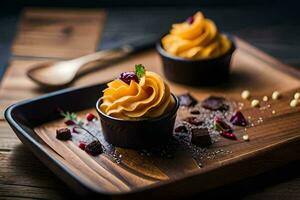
{"x":58,"y":33}
{"x":18,"y":179}
{"x":16,"y":161}
{"x":54,"y":33}
{"x":272,"y":143}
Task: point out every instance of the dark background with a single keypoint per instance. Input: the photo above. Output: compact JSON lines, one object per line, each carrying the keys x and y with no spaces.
{"x":273,"y":26}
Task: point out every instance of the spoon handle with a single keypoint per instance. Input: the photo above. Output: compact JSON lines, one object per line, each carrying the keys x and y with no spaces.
{"x":105,"y":56}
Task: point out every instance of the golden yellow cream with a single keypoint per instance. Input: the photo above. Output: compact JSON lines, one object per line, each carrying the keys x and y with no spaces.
{"x":149,"y":98}
{"x":197,"y":40}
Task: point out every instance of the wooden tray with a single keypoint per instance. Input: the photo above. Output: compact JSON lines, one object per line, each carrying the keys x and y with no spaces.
{"x":272,"y":143}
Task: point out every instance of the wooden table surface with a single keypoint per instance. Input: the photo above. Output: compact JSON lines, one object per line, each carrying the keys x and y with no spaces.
{"x":22,"y":176}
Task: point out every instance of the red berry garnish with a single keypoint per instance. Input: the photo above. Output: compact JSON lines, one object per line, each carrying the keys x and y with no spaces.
{"x":190,"y":19}
{"x":82,"y":146}
{"x":220,"y":125}
{"x":90,"y":117}
{"x":238,"y":119}
{"x":69,"y":122}
{"x":127,"y":77}
{"x":228,"y":135}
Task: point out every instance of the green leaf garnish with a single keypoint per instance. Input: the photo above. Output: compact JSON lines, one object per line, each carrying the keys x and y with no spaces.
{"x":139,"y":71}
{"x":69,"y":116}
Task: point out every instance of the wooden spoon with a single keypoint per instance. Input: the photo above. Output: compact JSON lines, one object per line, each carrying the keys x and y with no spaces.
{"x":59,"y":74}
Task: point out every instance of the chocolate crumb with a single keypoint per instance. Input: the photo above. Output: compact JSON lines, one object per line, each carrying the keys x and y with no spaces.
{"x":63,"y":134}
{"x":195,"y":112}
{"x":215,"y":103}
{"x":194,"y":121}
{"x":181,"y":129}
{"x":187,"y":100}
{"x":201,"y":137}
{"x":94,"y":148}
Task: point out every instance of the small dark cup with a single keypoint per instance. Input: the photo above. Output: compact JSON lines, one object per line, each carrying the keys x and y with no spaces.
{"x":144,"y":133}
{"x":196,"y":72}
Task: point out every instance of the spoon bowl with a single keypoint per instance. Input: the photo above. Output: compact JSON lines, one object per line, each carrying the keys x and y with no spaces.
{"x":62,"y":73}
{"x":52,"y":74}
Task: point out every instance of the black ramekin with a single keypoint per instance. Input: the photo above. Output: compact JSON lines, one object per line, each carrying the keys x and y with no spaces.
{"x":145,"y":133}
{"x":196,"y":72}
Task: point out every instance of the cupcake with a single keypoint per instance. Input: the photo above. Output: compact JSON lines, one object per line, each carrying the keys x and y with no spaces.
{"x":137,"y":110}
{"x":195,"y":52}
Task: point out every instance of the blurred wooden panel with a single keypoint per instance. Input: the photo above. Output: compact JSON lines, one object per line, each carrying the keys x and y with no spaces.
{"x":58,"y":33}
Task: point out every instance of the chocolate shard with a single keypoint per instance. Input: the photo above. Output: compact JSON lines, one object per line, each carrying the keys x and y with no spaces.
{"x":238,"y":119}
{"x":215,"y":103}
{"x":194,"y":121}
{"x":201,"y":137}
{"x":94,"y":148}
{"x":63,"y":134}
{"x":187,"y":100}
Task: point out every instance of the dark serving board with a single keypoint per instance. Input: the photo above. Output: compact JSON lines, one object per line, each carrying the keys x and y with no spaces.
{"x":272,"y":143}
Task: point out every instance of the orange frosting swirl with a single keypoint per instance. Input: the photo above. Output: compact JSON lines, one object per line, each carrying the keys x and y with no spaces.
{"x":197,"y":40}
{"x":149,"y":98}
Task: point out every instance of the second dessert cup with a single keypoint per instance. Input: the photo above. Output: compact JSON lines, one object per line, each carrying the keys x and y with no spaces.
{"x":194,"y":52}
{"x":196,"y":72}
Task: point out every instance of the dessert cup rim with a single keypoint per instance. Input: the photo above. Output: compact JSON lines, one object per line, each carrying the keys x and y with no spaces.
{"x":164,"y":53}
{"x":171,"y":113}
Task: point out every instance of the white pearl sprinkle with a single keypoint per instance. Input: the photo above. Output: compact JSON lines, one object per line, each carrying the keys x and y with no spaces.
{"x":246,"y":137}
{"x":246,"y":94}
{"x":297,"y":95}
{"x":255,"y":103}
{"x":294,"y":103}
{"x":276,"y":95}
{"x":265,"y":98}
{"x":273,"y":112}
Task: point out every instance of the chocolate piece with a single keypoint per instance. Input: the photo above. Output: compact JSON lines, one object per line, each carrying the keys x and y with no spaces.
{"x":194,"y":121}
{"x":201,"y":137}
{"x":94,"y":148}
{"x":181,"y":129}
{"x":195,"y":112}
{"x":215,"y":103}
{"x":187,"y":100}
{"x":63,"y":134}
